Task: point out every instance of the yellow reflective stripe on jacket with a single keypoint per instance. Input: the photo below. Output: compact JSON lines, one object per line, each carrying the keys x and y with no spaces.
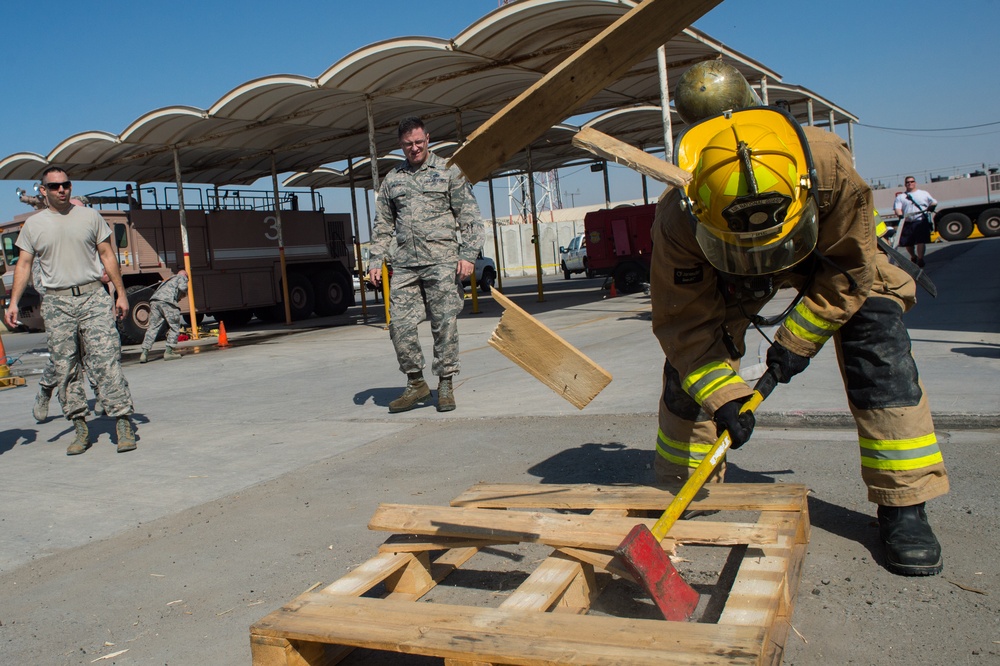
{"x":880,"y":226}
{"x":685,"y":454}
{"x":708,"y":379}
{"x":804,"y":323}
{"x":900,"y":454}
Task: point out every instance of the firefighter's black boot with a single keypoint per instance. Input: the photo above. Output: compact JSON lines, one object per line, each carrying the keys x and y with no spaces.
{"x":417,"y":391}
{"x":910,"y":547}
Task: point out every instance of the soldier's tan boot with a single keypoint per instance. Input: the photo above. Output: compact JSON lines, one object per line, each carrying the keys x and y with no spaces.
{"x":82,"y":441}
{"x":170,"y":355}
{"x":144,"y":356}
{"x":446,"y":395}
{"x":41,"y":409}
{"x":126,"y":436}
{"x":417,"y":391}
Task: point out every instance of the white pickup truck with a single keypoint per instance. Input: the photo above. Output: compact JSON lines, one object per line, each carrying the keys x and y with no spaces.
{"x":573,"y":258}
{"x":486,"y":274}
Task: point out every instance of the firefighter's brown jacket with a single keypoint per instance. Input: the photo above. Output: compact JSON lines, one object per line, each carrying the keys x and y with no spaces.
{"x":693,"y":320}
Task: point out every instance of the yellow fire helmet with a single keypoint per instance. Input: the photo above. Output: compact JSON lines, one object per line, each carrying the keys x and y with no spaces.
{"x":751,"y":195}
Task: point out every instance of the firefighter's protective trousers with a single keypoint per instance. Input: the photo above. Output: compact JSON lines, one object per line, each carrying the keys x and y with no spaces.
{"x":901,"y":462}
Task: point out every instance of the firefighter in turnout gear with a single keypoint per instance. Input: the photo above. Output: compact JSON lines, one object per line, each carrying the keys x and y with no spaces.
{"x":773,"y":205}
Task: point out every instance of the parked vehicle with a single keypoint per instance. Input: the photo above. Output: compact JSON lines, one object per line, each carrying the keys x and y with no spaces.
{"x":486,"y":274}
{"x":573,"y":257}
{"x":235,"y":264}
{"x":966,"y":205}
{"x":619,"y":244}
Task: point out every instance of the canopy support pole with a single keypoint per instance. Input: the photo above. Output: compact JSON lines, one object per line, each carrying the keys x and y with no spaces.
{"x":281,"y":243}
{"x":357,"y":239}
{"x":372,"y":148}
{"x":185,"y":247}
{"x":496,"y":237}
{"x":607,"y":184}
{"x":535,"y":237}
{"x":668,"y":130}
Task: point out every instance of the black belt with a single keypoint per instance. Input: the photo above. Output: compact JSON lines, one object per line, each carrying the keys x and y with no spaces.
{"x":76,"y":291}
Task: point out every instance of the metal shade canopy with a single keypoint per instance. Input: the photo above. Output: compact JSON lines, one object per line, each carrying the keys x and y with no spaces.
{"x":351,"y":110}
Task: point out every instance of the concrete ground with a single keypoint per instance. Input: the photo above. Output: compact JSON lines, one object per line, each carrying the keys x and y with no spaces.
{"x":260,"y":465}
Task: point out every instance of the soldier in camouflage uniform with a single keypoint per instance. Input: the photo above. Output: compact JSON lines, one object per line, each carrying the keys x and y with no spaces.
{"x":49,"y":381}
{"x":429,"y":229}
{"x":163,"y":308}
{"x":76,"y":308}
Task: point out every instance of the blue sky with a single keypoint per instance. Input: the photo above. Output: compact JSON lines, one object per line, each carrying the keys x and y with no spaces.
{"x":916,"y":65}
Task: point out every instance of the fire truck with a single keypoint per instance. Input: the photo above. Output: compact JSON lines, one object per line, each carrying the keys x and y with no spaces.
{"x":235,"y":265}
{"x":966,"y":204}
{"x":619,"y":244}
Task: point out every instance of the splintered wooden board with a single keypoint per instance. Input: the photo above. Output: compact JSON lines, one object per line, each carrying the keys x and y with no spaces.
{"x":609,"y":148}
{"x":595,"y":65}
{"x":548,"y":618}
{"x":546,"y":356}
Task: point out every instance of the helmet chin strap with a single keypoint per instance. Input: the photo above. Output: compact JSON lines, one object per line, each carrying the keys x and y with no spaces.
{"x":759,"y":321}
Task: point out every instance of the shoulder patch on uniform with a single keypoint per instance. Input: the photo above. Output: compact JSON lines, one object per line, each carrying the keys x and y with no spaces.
{"x":689,"y":275}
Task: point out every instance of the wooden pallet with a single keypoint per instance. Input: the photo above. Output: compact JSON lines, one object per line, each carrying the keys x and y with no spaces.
{"x":11,"y":381}
{"x":552,"y":617}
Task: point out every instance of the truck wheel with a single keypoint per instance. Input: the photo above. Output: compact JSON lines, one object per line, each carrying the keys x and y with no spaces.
{"x":334,"y":293}
{"x":489,"y":279}
{"x":132,"y":328}
{"x":199,"y":315}
{"x":954,"y":226}
{"x":565,"y":271}
{"x":989,"y":222}
{"x":234,"y":318}
{"x":301,"y":296}
{"x":629,"y":277}
{"x":586,"y":269}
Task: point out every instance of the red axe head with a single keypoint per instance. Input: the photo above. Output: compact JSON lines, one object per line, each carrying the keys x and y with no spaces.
{"x":646,"y":560}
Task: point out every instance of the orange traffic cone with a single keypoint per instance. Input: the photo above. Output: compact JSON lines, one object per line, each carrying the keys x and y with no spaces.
{"x":7,"y":380}
{"x":614,"y":292}
{"x":223,"y":338}
{"x":4,"y":370}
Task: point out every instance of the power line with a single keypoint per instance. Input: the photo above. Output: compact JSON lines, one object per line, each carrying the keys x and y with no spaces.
{"x":943,"y":129}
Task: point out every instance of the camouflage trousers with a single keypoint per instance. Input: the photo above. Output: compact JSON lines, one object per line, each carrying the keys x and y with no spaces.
{"x":159,"y":312}
{"x":85,"y":322}
{"x":431,"y":290}
{"x":50,"y":381}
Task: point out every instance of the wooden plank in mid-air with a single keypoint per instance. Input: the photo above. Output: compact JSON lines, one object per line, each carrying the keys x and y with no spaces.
{"x":596,"y":64}
{"x":609,"y":148}
{"x":546,"y":356}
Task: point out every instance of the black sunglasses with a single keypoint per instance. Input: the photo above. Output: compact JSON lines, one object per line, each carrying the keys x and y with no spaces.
{"x":66,"y":184}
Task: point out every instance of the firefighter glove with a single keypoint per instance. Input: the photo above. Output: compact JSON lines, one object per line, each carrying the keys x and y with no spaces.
{"x":785,"y":364}
{"x":740,"y":426}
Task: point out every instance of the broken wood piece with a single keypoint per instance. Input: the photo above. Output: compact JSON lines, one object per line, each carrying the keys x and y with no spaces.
{"x":592,"y":532}
{"x":498,"y":635}
{"x":415,"y":543}
{"x":609,"y":148}
{"x":543,"y":621}
{"x":546,"y":356}
{"x":712,"y":497}
{"x":594,"y":66}
{"x":561,"y":583}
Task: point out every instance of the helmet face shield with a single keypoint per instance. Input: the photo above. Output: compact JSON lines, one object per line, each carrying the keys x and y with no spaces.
{"x":750,"y":196}
{"x":749,"y":253}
